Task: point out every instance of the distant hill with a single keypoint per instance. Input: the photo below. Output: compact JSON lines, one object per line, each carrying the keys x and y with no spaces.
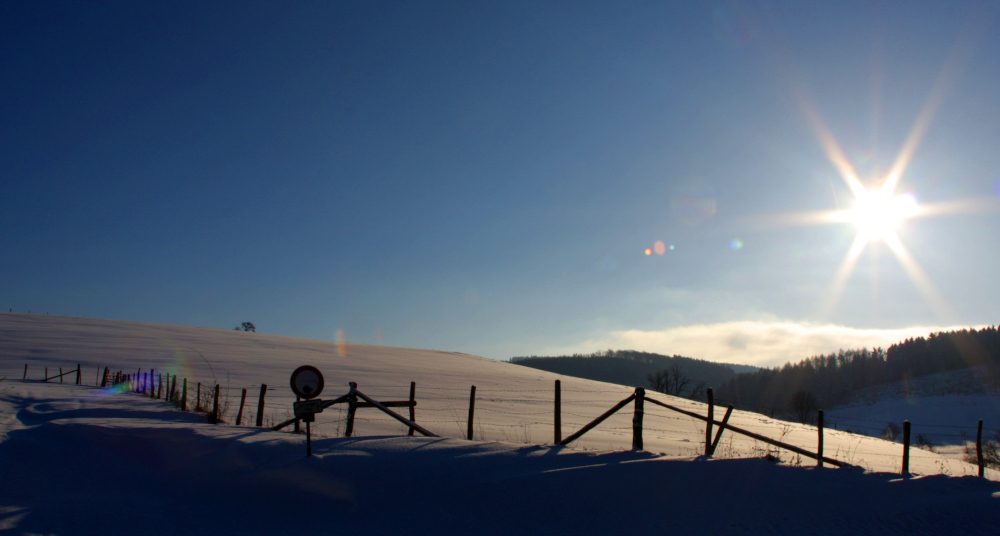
{"x":632,"y":368}
{"x":838,"y":378}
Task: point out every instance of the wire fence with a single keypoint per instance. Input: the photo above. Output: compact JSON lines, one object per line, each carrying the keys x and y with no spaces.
{"x":528,"y":416}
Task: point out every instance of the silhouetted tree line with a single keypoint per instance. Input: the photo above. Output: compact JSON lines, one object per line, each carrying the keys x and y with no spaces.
{"x":638,"y":369}
{"x":833,"y":378}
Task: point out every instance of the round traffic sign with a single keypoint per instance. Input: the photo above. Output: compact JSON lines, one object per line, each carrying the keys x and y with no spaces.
{"x":307,"y":382}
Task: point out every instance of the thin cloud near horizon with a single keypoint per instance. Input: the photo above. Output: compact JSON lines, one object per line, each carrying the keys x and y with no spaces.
{"x":758,"y":343}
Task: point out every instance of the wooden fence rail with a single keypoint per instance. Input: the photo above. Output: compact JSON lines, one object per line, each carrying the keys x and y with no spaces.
{"x":60,"y":375}
{"x":351,"y":399}
{"x":748,"y":433}
{"x":590,"y":426}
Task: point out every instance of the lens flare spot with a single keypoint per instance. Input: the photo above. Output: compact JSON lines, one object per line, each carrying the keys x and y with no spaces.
{"x":340,"y":342}
{"x":649,"y":252}
{"x":735,"y":244}
{"x":659,"y":247}
{"x":671,"y":247}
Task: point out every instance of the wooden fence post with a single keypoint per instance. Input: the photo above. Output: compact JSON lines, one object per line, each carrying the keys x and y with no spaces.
{"x":159,"y":389}
{"x":906,"y":447}
{"x":708,"y":425}
{"x":558,"y":415}
{"x":46,"y":373}
{"x":819,"y":450}
{"x":215,"y":406}
{"x":184,"y":396}
{"x":413,"y":405}
{"x":722,"y":428}
{"x":352,"y":408}
{"x":60,"y":375}
{"x":104,"y":381}
{"x":297,"y":429}
{"x":260,"y":405}
{"x":472,"y":409}
{"x":78,"y":378}
{"x":979,"y":449}
{"x":239,"y":415}
{"x":25,"y":372}
{"x":640,"y":399}
{"x":197,"y":398}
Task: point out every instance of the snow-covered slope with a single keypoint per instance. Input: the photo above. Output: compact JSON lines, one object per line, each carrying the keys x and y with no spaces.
{"x":513,"y":404}
{"x":943,"y":409}
{"x":82,"y":460}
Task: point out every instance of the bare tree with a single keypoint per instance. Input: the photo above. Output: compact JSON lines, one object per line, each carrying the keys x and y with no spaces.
{"x":891,"y":431}
{"x":698,"y":390}
{"x":802,"y":405}
{"x":247,"y":326}
{"x":658,"y":380}
{"x":668,"y":381}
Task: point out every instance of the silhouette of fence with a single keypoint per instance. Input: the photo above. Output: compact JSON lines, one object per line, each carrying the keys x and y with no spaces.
{"x":155,"y":385}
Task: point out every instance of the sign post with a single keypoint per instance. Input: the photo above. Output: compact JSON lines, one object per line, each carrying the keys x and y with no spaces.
{"x":307,"y":383}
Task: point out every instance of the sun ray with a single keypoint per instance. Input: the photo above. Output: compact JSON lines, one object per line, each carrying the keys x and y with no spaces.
{"x":836,"y":288}
{"x":878,"y":211}
{"x":958,"y":57}
{"x":980,"y":205}
{"x":830,"y":146}
{"x":810,"y":217}
{"x":920,"y":278}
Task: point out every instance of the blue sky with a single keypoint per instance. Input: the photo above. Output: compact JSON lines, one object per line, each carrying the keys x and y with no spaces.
{"x":487,"y":178}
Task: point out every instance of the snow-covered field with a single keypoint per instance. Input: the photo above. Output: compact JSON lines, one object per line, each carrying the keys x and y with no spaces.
{"x":942,"y":420}
{"x":942,"y":408}
{"x":82,"y":460}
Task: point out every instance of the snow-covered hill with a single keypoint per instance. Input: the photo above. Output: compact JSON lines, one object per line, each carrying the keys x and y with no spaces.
{"x":943,"y":409}
{"x":513,"y":404}
{"x":74,"y":458}
{"x":82,"y":460}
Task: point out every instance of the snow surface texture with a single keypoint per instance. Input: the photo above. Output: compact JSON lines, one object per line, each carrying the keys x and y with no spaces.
{"x":73,"y":459}
{"x":943,"y":420}
{"x":82,"y":460}
{"x":513,"y":403}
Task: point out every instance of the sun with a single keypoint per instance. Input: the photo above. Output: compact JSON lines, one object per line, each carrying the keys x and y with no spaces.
{"x":877,"y":214}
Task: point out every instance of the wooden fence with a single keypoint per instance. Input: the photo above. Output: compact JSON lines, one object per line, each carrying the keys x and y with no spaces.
{"x":154,"y":385}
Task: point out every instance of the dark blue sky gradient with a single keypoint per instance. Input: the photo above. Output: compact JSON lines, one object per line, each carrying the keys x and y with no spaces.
{"x":484,"y":178}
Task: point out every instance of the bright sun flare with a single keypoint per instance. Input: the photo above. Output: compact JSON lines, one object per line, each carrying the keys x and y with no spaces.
{"x":877,"y":214}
